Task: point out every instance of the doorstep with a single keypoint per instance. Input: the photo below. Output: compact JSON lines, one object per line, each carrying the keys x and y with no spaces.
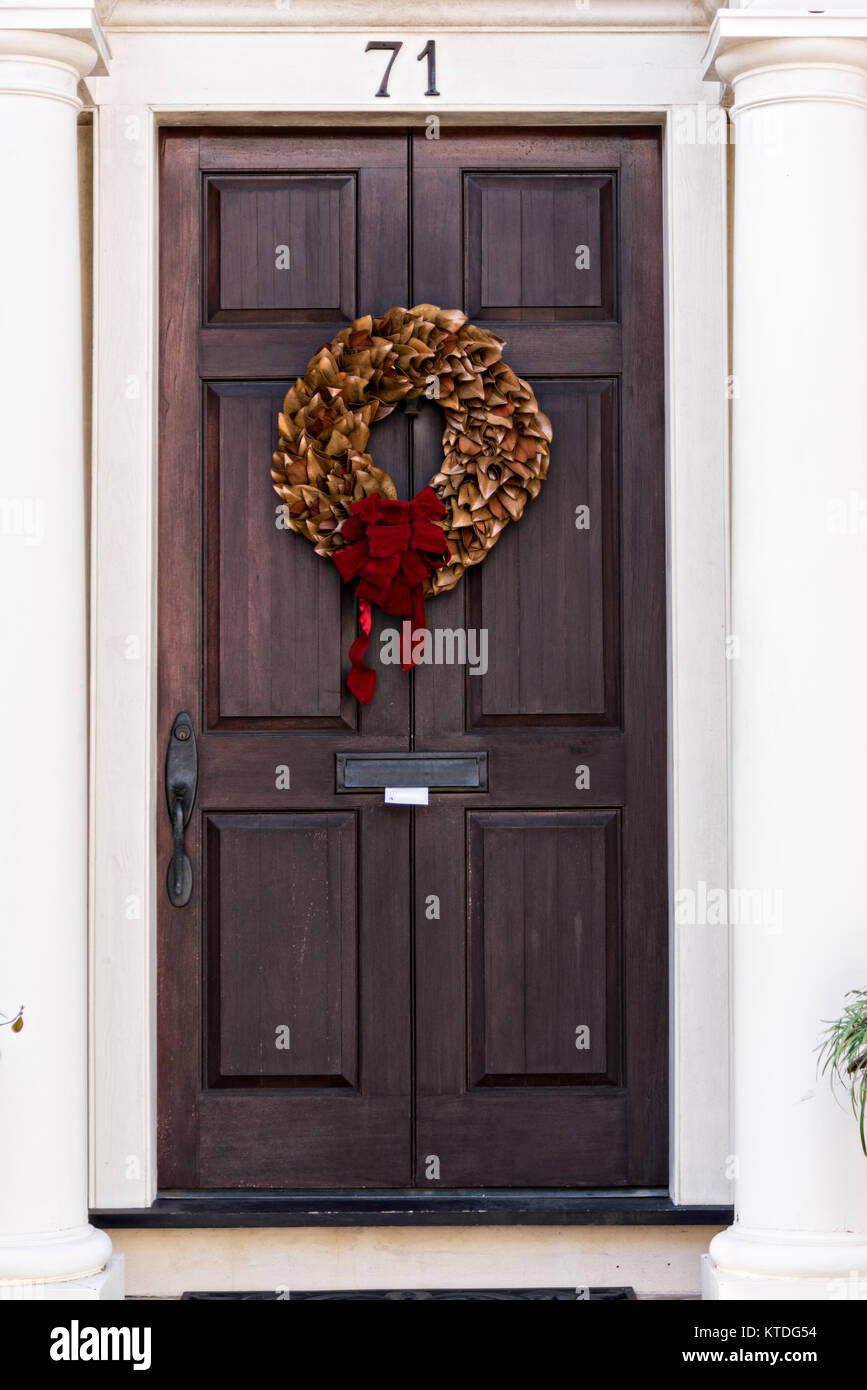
{"x":184,"y":1210}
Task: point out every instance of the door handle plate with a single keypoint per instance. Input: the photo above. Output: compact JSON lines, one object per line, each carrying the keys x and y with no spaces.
{"x":182,"y":775}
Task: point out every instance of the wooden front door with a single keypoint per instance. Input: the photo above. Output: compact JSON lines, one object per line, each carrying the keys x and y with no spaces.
{"x":471,"y":993}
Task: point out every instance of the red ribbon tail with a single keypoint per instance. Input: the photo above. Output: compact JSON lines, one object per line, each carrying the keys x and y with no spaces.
{"x":417,"y":600}
{"x":416,"y":618}
{"x":361,"y":680}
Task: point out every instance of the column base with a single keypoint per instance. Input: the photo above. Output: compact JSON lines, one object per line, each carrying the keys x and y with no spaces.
{"x":760,"y":1265}
{"x":106,"y":1286}
{"x":54,"y":1257}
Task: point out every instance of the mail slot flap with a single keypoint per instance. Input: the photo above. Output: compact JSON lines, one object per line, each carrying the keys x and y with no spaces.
{"x":369,"y":772}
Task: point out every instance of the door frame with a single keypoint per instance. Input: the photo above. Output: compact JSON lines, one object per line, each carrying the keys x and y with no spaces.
{"x":170,"y":79}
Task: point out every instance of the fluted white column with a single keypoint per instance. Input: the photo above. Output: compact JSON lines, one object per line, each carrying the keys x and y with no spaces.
{"x":799,"y":614}
{"x":46,"y":1243}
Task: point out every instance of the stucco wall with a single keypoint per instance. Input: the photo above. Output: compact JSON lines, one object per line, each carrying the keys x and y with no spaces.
{"x":653,"y":1260}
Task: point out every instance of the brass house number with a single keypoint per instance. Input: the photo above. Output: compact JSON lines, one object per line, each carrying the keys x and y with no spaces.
{"x":429,"y":51}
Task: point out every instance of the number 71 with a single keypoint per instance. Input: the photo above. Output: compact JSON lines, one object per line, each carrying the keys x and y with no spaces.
{"x":429,"y":51}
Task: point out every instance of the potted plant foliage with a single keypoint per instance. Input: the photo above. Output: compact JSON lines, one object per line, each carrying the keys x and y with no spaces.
{"x":843,"y":1053}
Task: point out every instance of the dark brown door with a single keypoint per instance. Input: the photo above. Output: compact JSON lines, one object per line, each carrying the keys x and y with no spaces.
{"x":472,"y":993}
{"x":540,"y":995}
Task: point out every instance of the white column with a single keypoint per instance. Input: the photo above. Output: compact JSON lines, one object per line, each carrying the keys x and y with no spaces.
{"x":799,"y":617}
{"x":47,"y":1247}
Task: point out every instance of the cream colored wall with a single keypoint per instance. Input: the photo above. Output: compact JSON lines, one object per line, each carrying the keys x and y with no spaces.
{"x":654,"y":1260}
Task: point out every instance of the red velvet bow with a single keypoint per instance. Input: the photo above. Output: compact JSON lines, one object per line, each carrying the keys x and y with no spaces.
{"x":391,"y":548}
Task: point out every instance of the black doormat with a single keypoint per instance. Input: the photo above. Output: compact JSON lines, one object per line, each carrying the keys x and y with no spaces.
{"x":417,"y":1295}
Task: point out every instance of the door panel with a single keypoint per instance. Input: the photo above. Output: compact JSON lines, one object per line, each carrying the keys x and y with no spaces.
{"x":522,"y":233}
{"x":296,"y":932}
{"x":261,"y":663}
{"x":283,"y":949}
{"x":311,"y":219}
{"x":540,"y":991}
{"x":575,"y":588}
{"x":543,"y":947}
{"x":273,"y":610}
{"x":319,"y":1026}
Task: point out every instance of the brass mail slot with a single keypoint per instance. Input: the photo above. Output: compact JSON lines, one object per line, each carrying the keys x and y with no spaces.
{"x":371,"y":772}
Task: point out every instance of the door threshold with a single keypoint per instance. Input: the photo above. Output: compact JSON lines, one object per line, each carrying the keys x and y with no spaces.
{"x":471,"y":1207}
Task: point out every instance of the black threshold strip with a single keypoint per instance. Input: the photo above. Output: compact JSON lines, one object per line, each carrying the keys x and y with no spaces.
{"x":606,"y":1294}
{"x":413,"y":1208}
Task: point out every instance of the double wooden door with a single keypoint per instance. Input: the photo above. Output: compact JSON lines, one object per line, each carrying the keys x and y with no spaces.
{"x":471,"y":993}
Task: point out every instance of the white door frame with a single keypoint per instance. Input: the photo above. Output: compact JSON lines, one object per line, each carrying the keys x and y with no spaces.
{"x":216,"y":73}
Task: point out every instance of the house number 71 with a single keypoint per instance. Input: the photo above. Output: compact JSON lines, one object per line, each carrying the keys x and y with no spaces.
{"x":429,"y":51}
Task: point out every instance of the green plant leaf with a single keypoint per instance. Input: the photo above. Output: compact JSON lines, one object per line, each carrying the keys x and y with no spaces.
{"x":843,"y":1054}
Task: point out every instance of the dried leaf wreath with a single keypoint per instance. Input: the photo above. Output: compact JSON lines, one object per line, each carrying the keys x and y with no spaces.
{"x":495,"y":448}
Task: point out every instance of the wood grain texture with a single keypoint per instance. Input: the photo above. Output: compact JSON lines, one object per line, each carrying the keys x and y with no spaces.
{"x":551,"y":591}
{"x":282,"y":946}
{"x":272,"y":608}
{"x":449,"y":1034}
{"x":298,"y":913}
{"x":179,"y":640}
{"x":281,"y":249}
{"x":576,"y":680}
{"x":645,"y":972}
{"x":523,"y":234}
{"x":544,"y":945}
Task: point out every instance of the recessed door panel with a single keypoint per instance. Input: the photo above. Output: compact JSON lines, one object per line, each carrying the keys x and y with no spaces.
{"x":283,"y":934}
{"x":544,"y":947}
{"x":281,"y":248}
{"x":539,"y":246}
{"x":548,"y":594}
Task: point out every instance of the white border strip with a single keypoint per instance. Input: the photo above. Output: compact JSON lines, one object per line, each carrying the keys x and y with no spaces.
{"x":165,"y":79}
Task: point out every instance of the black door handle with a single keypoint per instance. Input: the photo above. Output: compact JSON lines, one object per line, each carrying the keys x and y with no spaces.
{"x":182,"y":775}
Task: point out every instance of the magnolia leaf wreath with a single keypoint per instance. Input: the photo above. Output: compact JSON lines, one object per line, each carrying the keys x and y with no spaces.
{"x":495,"y":447}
